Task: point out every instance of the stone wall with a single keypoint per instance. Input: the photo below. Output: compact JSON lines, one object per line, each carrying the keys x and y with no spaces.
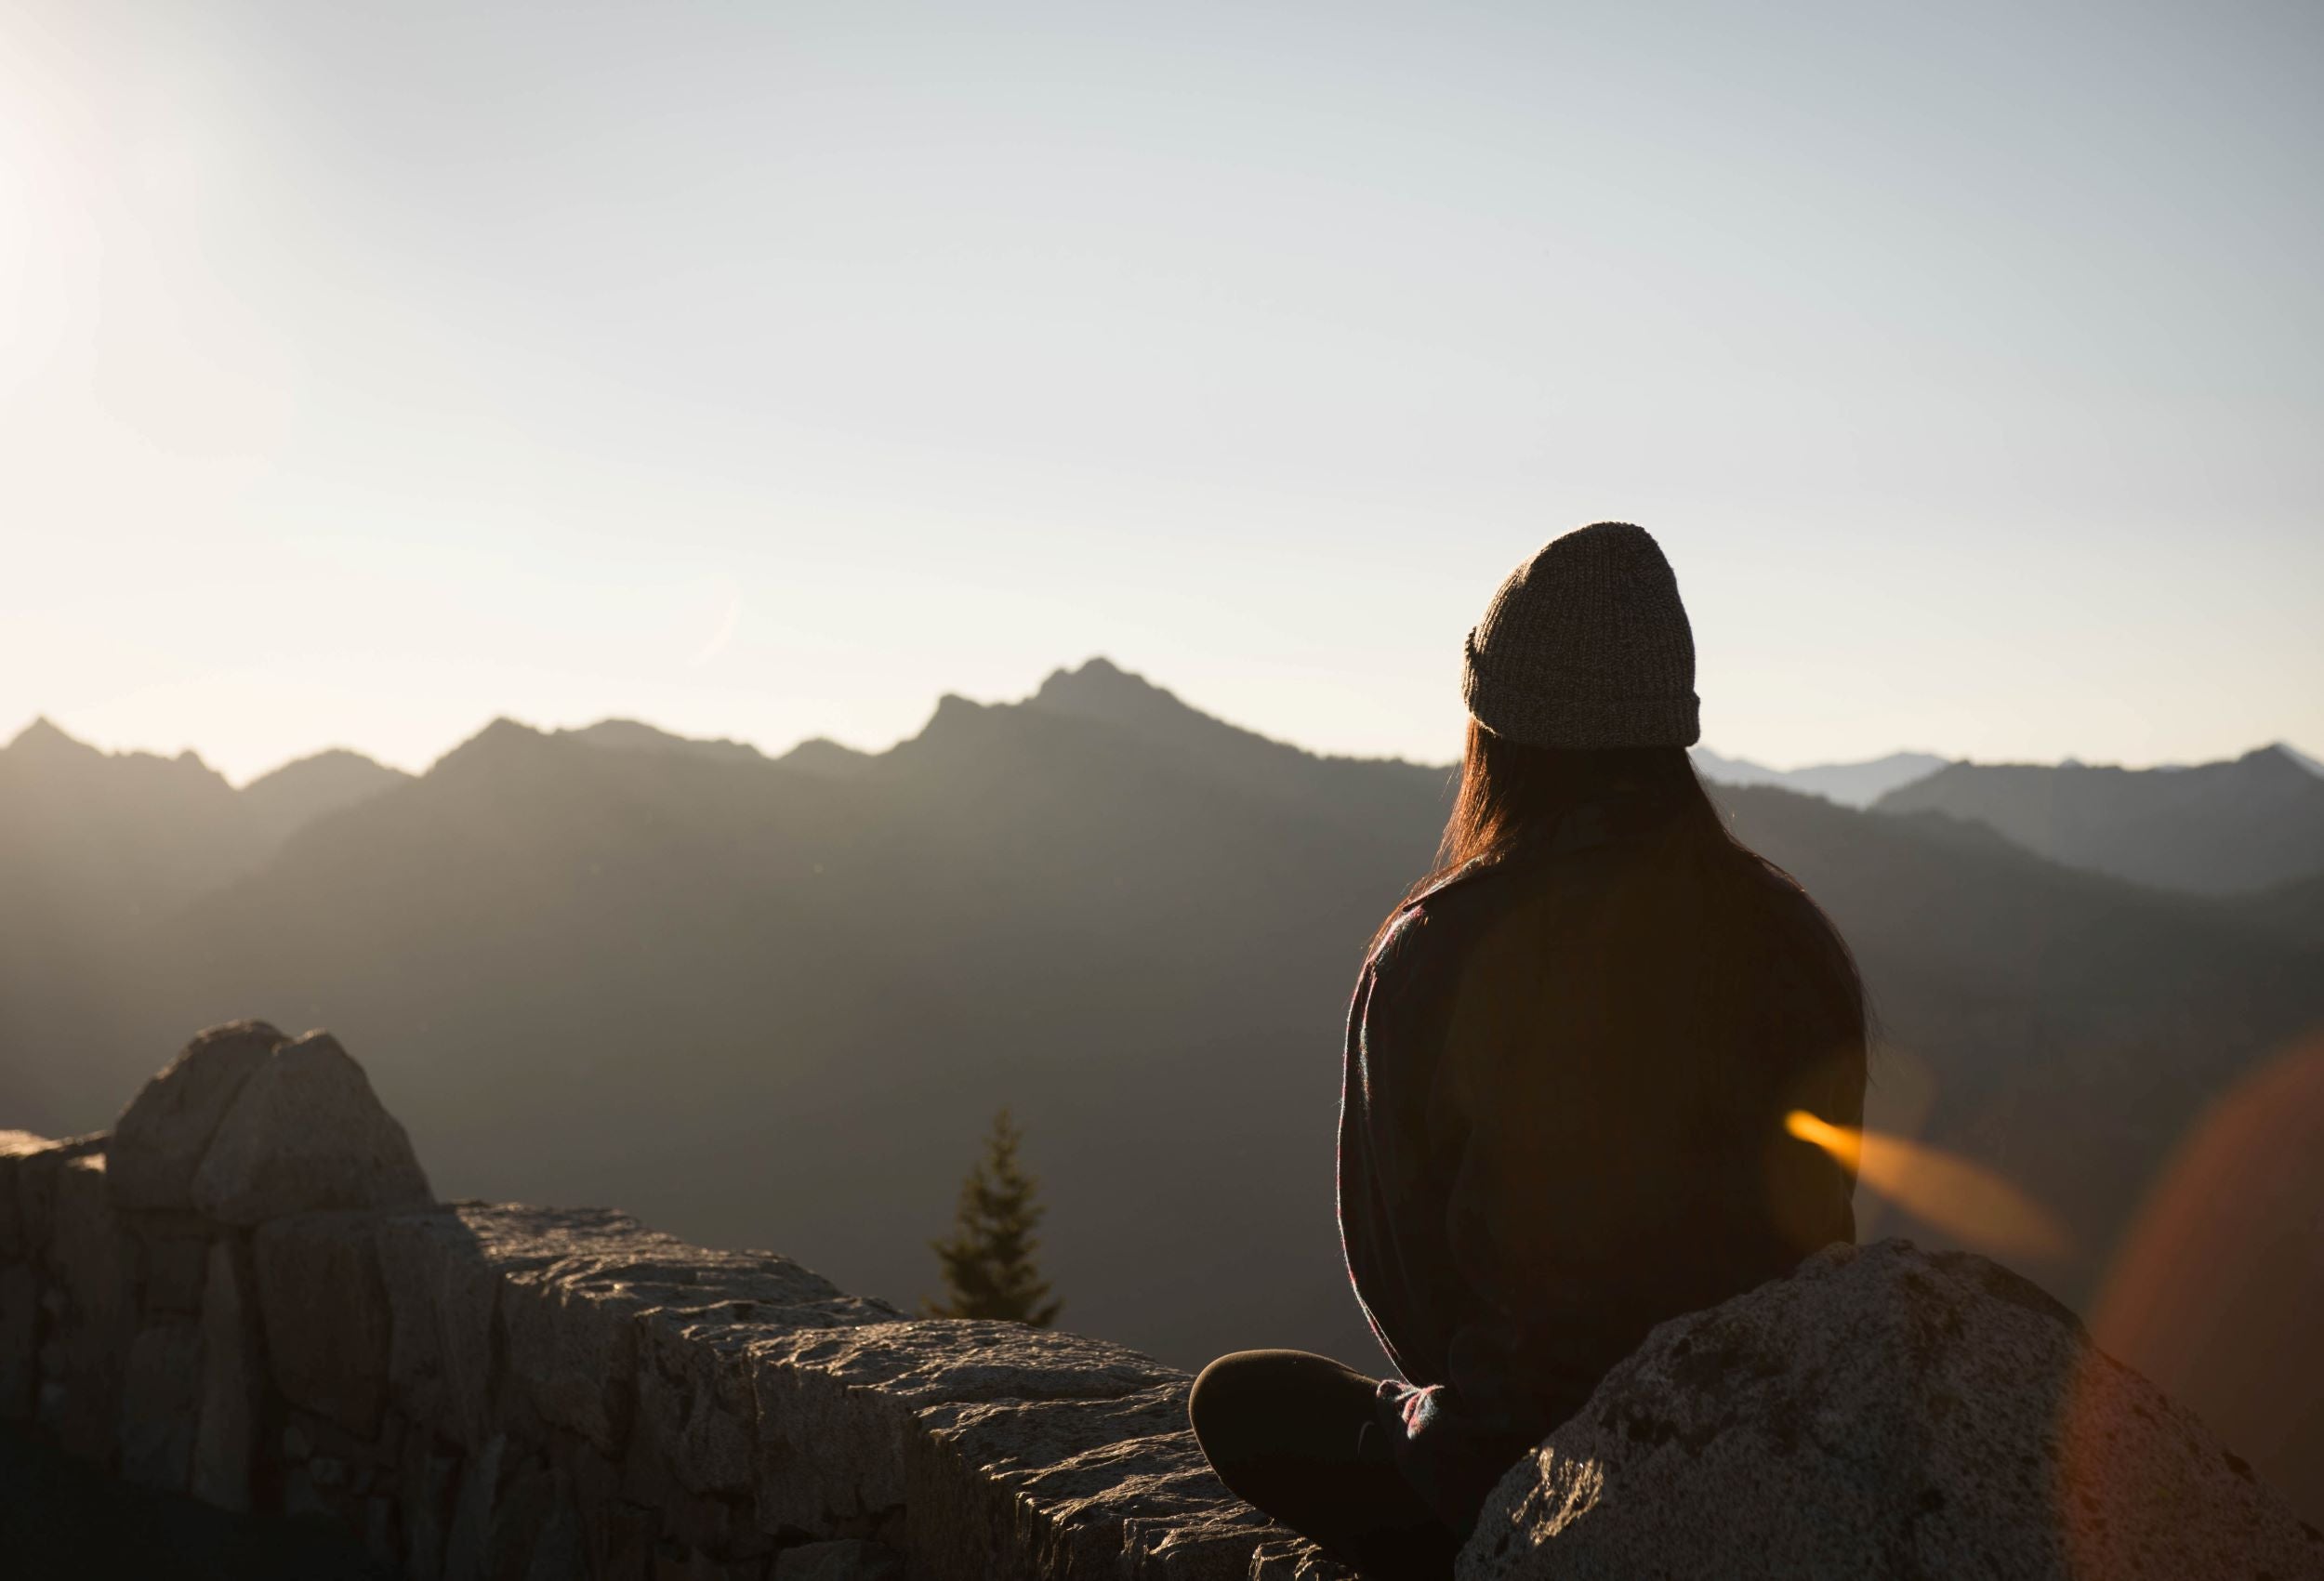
{"x":244,"y":1292}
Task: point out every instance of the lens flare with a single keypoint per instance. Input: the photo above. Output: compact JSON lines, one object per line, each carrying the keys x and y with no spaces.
{"x":1974,"y":1206}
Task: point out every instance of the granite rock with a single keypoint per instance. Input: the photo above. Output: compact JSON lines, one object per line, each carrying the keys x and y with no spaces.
{"x":837,"y":1407}
{"x":324,"y":1311}
{"x":226,"y":1430}
{"x":161,"y":1137}
{"x":1073,"y":1489}
{"x":15,"y":1244}
{"x":306,"y":1134}
{"x":161,"y":1398}
{"x":20,"y":1340}
{"x":1884,"y":1410}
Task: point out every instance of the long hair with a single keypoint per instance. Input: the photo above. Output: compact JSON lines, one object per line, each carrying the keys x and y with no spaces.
{"x":1691,"y":883}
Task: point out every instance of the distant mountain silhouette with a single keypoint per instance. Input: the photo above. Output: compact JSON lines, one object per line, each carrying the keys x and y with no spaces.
{"x":629,"y":735}
{"x":300,"y":792}
{"x":100,"y":851}
{"x":829,"y":759}
{"x":1850,"y":785}
{"x":2217,"y":829}
{"x":774,"y":1002}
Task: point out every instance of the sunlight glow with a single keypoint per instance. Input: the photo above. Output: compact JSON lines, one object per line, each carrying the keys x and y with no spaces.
{"x":1970,"y":1203}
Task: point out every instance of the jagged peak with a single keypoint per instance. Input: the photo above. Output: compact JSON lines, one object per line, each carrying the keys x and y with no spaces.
{"x":636,"y":736}
{"x":43,"y":736}
{"x":2312,"y":765}
{"x":821,"y":755}
{"x":1099,"y":684}
{"x":503,"y":734}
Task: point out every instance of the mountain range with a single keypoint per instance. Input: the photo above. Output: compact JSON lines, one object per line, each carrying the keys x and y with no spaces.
{"x":774,"y":1001}
{"x":1850,"y":785}
{"x":2214,"y":828}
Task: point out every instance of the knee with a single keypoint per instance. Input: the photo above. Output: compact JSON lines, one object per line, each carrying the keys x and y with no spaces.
{"x":1219,"y":1389}
{"x":1213,"y":1384}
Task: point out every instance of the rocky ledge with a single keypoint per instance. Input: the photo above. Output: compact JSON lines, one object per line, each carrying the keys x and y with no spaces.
{"x":246,"y":1292}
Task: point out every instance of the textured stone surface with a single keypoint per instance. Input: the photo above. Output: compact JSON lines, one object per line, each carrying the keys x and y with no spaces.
{"x":226,"y":1429}
{"x":20,"y":1340}
{"x":172,"y":1261}
{"x":87,"y":1258}
{"x":14,"y":1145}
{"x":1883,"y":1412}
{"x":1074,"y":1488}
{"x":89,"y":1250}
{"x":162,"y":1135}
{"x":161,"y":1397}
{"x":443,"y":1291}
{"x":837,"y":1408}
{"x":306,"y":1134}
{"x":29,"y":1167}
{"x":324,"y":1311}
{"x":1285,"y":1556}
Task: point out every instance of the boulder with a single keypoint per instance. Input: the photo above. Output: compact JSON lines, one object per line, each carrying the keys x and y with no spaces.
{"x":325,"y":1314}
{"x":306,"y":1134}
{"x":172,"y":1261}
{"x":15,"y":1242}
{"x":29,"y":1167}
{"x":226,"y":1429}
{"x":162,"y":1135}
{"x":161,"y":1396}
{"x":20,"y":1340}
{"x":1886,"y":1411}
{"x":443,"y":1292}
{"x":89,"y":1253}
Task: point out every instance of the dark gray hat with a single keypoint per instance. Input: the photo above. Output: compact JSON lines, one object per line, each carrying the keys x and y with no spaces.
{"x":1587,"y":645}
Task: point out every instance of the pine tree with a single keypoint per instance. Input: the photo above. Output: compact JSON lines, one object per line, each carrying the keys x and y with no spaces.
{"x":987,"y":1260}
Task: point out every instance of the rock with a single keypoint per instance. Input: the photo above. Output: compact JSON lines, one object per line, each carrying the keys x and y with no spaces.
{"x":1071,"y":1488}
{"x":306,"y":1134}
{"x":838,"y":1407}
{"x":162,"y":1135}
{"x":324,"y":1313}
{"x":20,"y":1340}
{"x":89,"y":1251}
{"x":1289,"y":1556}
{"x":428,"y":1485}
{"x":174,"y":1261}
{"x":161,"y":1397}
{"x":226,"y":1432}
{"x":573,"y":1289}
{"x":15,"y":1244}
{"x":1883,"y":1412}
{"x":464,"y":1549}
{"x":848,"y":1558}
{"x":442,"y":1294}
{"x":29,"y":1167}
{"x":88,"y":1254}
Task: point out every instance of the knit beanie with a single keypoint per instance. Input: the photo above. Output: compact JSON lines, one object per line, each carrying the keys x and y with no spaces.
{"x":1587,"y":645}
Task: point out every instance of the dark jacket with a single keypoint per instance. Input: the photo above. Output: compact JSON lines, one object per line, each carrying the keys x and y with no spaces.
{"x":1538,"y":1161}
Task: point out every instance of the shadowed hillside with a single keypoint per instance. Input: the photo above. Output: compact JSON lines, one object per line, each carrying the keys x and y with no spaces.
{"x":2214,"y":829}
{"x":774,"y":1002}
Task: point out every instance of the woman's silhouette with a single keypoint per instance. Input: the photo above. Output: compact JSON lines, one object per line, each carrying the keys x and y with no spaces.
{"x":1569,"y":1058}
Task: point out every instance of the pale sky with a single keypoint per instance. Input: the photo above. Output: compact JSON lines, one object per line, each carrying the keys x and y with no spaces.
{"x":767,"y":369}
